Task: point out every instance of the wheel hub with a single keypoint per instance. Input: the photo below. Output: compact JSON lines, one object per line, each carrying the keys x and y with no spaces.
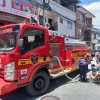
{"x":39,"y":83}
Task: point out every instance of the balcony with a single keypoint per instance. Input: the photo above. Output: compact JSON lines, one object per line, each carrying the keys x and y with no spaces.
{"x":87,"y":36}
{"x":98,"y":37}
{"x":98,"y":45}
{"x":88,"y":25}
{"x":63,"y":11}
{"x":94,"y":41}
{"x":67,"y":3}
{"x":87,"y":39}
{"x":51,"y":32}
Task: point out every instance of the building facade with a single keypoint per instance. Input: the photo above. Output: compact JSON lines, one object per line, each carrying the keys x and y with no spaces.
{"x":97,"y":45}
{"x":16,"y":11}
{"x":63,"y":13}
{"x":84,"y":24}
{"x":94,"y":39}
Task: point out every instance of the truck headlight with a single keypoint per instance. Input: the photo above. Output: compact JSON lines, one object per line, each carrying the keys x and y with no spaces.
{"x":9,"y":71}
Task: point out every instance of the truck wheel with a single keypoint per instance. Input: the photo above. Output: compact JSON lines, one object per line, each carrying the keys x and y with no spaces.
{"x":39,"y":84}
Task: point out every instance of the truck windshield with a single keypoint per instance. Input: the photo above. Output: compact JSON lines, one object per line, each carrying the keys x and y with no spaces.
{"x":8,"y":38}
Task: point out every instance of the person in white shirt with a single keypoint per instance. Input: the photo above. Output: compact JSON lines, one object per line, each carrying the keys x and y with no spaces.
{"x":96,"y":60}
{"x":96,"y":64}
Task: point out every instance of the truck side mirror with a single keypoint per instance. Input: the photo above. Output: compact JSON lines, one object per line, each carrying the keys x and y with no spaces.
{"x":20,"y":44}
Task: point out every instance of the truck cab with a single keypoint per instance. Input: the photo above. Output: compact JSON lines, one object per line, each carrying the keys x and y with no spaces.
{"x":24,"y":53}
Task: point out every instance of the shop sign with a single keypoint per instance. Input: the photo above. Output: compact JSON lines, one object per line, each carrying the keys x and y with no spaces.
{"x":19,"y":7}
{"x":2,"y":3}
{"x":24,"y":9}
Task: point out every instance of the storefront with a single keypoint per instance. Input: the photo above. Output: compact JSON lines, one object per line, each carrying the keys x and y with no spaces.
{"x":15,"y":11}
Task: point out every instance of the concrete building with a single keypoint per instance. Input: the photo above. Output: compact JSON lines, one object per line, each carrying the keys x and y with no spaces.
{"x":94,"y":39}
{"x":97,"y":46}
{"x":84,"y":24}
{"x":63,"y":13}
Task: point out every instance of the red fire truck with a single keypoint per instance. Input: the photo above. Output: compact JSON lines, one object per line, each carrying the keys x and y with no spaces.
{"x":27,"y":57}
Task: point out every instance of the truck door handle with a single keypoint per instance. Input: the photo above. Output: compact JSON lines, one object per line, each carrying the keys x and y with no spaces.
{"x":44,"y":58}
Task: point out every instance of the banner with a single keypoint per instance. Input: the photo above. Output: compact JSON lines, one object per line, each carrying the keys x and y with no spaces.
{"x":20,"y":8}
{"x":24,"y":9}
{"x":2,"y":3}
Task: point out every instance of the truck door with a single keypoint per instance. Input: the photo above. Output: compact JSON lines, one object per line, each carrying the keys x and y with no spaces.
{"x":34,"y":53}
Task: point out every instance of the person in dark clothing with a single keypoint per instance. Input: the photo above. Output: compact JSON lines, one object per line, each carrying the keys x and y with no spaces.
{"x":51,"y":26}
{"x":92,"y":55}
{"x":83,"y":66}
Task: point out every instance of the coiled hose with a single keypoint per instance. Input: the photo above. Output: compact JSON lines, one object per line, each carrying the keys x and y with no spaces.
{"x":63,"y":70}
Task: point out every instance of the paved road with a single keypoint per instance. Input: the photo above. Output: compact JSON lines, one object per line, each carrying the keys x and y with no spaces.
{"x":62,"y":88}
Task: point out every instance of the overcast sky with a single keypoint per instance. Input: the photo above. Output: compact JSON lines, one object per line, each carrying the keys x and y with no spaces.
{"x":94,"y":7}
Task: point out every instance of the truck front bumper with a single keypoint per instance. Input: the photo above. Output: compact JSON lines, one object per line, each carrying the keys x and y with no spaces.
{"x":6,"y":87}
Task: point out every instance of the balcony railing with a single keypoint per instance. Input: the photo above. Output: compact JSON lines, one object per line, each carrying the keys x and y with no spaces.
{"x":88,"y":25}
{"x":51,"y":32}
{"x":87,"y":39}
{"x":98,"y":37}
{"x":67,"y":3}
{"x":94,"y":41}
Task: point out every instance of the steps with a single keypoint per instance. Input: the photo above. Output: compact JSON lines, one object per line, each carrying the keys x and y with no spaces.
{"x":58,"y":74}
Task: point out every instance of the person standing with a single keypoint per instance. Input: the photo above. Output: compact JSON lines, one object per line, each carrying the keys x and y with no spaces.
{"x":83,"y":66}
{"x":96,"y":61}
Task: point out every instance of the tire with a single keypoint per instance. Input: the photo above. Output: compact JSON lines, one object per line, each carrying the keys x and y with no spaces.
{"x":39,"y":84}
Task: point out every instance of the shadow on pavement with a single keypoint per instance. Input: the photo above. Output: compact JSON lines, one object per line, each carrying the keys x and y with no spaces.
{"x":97,"y":83}
{"x":20,"y":94}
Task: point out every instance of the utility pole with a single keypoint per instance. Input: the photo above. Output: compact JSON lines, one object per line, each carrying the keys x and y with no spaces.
{"x":43,"y":13}
{"x":45,"y":6}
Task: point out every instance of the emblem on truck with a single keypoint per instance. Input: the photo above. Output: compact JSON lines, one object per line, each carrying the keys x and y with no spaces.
{"x":34,"y":58}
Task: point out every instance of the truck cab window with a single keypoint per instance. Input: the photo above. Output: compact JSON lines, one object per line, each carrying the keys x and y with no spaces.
{"x":33,"y":38}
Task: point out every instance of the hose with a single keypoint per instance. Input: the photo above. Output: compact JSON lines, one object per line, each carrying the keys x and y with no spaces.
{"x":63,"y":70}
